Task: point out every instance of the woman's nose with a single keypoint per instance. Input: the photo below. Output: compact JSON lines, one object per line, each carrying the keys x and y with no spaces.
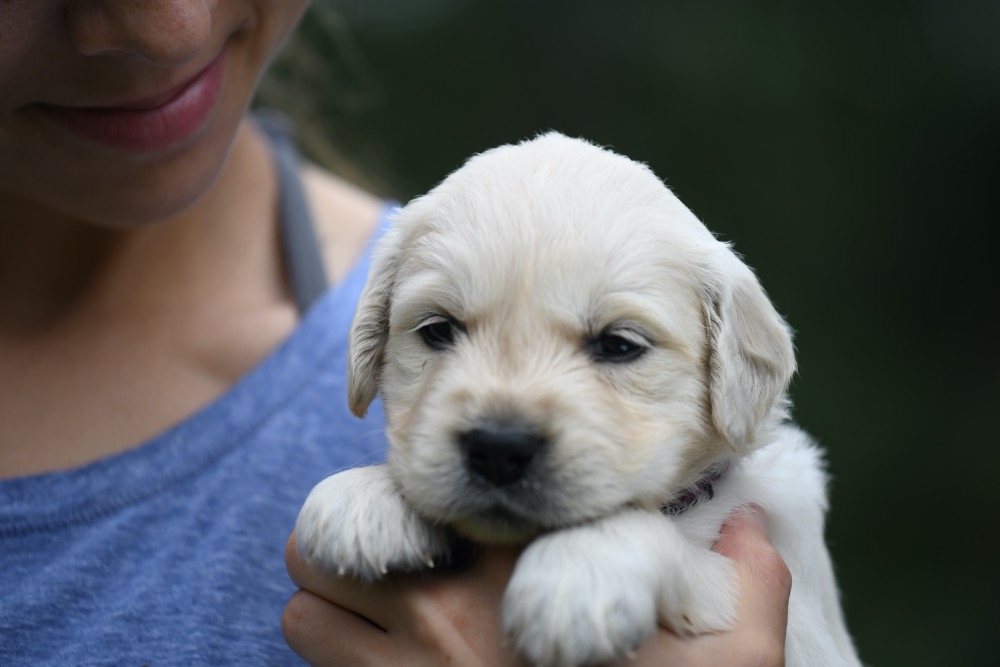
{"x":164,"y":32}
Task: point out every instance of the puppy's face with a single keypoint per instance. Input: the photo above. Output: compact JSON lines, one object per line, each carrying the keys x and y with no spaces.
{"x":544,"y":328}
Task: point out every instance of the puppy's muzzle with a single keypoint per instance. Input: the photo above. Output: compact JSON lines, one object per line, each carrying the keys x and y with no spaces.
{"x":501,"y":453}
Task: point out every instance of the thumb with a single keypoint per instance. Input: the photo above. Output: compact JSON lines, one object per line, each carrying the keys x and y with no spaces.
{"x":764,"y":579}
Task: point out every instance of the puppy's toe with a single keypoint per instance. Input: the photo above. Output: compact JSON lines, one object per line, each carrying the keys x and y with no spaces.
{"x":562,"y":608}
{"x":357,"y":524}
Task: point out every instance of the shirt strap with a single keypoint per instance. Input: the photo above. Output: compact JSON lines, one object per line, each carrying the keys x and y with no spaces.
{"x":306,"y":267}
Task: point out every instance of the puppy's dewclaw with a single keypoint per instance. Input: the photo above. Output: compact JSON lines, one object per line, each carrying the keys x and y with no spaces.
{"x":562,"y":350}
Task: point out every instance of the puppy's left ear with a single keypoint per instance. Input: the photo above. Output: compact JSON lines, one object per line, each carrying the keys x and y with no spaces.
{"x":370,"y":328}
{"x":751,"y":358}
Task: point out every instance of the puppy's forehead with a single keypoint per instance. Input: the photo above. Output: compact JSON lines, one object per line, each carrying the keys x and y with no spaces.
{"x":554,"y":189}
{"x":559,"y":217}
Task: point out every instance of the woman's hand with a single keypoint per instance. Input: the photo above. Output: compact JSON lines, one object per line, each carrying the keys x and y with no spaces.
{"x":453,"y":618}
{"x":422,"y":619}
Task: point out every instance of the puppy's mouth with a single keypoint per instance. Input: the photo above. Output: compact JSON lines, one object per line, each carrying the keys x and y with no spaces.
{"x":497,"y":524}
{"x":509,"y":514}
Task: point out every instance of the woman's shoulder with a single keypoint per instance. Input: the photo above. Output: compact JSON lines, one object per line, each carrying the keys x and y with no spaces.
{"x":346,"y":218}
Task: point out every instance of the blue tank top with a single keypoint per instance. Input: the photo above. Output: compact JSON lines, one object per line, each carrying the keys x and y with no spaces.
{"x":172,"y":553}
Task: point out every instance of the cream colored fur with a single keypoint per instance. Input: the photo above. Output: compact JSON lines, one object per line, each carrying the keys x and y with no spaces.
{"x":534,"y":252}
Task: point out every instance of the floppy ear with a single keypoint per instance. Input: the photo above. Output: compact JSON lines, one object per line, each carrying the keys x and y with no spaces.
{"x":370,"y":329}
{"x":751,"y":359}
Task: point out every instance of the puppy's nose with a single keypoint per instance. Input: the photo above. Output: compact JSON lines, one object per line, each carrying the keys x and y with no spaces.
{"x":501,"y":453}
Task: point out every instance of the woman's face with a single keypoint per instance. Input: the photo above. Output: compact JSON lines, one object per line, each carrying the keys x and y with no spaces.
{"x":122,"y":112}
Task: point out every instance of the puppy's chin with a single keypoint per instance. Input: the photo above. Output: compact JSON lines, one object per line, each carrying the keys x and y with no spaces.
{"x":496,"y":526}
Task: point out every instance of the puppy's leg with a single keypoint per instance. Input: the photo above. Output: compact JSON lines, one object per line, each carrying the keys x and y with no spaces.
{"x":357,"y":523}
{"x":593,"y":593}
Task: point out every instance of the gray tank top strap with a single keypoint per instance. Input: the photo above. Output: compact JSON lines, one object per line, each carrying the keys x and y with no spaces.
{"x":306,"y":268}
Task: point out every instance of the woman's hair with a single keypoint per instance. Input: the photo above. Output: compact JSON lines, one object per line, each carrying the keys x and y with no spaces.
{"x":321,"y":81}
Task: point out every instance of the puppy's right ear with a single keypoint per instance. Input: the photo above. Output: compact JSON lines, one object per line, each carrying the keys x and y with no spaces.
{"x":370,"y":329}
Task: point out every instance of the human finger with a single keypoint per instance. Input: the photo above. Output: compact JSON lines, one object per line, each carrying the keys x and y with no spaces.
{"x":400,"y":602}
{"x":323,"y":633}
{"x":369,"y":600}
{"x":426,"y":618}
{"x":454,"y":617}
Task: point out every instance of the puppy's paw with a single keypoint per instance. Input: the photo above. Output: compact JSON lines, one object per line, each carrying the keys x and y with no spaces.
{"x":699,"y":594}
{"x":356,"y":523}
{"x":573,"y":601}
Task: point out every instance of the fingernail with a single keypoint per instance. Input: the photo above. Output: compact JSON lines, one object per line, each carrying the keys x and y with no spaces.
{"x":757,"y":513}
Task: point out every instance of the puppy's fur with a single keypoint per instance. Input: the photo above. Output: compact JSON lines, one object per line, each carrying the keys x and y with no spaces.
{"x":563,"y":349}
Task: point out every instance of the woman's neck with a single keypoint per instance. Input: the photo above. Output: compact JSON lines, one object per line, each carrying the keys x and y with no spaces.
{"x":107,"y":337}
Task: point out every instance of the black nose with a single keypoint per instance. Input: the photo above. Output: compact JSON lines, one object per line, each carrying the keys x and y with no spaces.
{"x":501,"y":453}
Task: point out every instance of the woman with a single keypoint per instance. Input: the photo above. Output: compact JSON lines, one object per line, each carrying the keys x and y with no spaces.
{"x":175,"y":290}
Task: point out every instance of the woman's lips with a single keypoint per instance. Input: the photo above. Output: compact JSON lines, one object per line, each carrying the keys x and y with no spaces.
{"x":146,"y":126}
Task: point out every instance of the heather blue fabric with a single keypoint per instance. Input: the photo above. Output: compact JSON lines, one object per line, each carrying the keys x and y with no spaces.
{"x":172,"y":553}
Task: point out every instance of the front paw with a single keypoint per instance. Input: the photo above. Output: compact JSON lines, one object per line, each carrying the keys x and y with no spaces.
{"x":573,"y":601}
{"x":356,"y":523}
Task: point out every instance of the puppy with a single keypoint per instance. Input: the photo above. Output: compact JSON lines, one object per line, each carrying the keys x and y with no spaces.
{"x":570,"y":360}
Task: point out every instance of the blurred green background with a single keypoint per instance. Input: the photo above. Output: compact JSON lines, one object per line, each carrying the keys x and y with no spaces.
{"x":848,"y":149}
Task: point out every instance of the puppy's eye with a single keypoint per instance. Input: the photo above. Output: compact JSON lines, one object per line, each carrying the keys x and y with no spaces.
{"x":438,"y":333}
{"x":615,"y":348}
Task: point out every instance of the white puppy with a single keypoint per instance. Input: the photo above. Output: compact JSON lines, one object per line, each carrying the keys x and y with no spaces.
{"x":568,"y":358}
